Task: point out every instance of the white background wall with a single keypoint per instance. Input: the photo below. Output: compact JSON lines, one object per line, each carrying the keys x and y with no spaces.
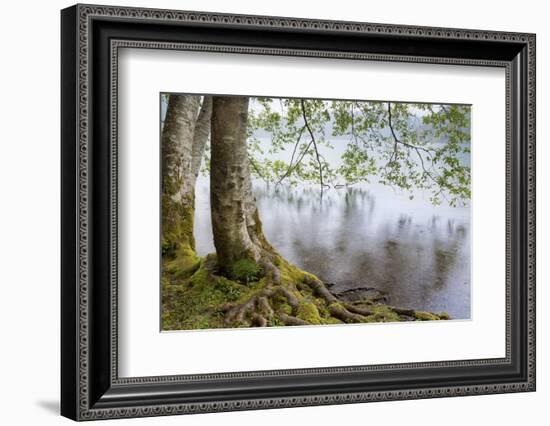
{"x":29,"y":211}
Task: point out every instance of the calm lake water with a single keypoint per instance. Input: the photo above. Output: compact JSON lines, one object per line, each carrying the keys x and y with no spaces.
{"x":366,"y":236}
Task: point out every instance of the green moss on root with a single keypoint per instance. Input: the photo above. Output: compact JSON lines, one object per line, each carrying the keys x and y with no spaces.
{"x":308,"y":312}
{"x":382,"y":313}
{"x":177,"y":226}
{"x":178,"y":244}
{"x":197,"y":302}
{"x":183,"y":264}
{"x":426,"y":316}
{"x":194,"y":297}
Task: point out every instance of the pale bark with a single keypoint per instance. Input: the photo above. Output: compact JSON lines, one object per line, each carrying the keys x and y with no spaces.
{"x":235,"y":222}
{"x":177,"y":145}
{"x":178,"y":182}
{"x":202,"y":133}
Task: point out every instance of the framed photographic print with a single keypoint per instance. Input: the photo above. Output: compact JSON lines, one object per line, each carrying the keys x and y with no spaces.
{"x":263,"y":212}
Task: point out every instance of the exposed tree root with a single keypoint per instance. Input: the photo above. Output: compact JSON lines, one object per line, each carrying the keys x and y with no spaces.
{"x":404,"y":312}
{"x":347,"y":312}
{"x":285,"y":295}
{"x":340,"y":312}
{"x":292,"y":320}
{"x":260,"y":306}
{"x":320,"y":289}
{"x":298,"y":302}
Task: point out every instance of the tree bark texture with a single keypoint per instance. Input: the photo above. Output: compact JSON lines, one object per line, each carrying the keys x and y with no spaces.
{"x":202,"y":133}
{"x":235,"y":220}
{"x":178,"y":179}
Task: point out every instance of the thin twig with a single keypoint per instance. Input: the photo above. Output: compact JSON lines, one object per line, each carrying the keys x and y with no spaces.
{"x":314,"y":144}
{"x":416,"y":148}
{"x":256,"y":169}
{"x":290,"y":166}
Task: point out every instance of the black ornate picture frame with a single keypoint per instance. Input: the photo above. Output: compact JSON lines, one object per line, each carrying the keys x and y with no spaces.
{"x":90,"y":38}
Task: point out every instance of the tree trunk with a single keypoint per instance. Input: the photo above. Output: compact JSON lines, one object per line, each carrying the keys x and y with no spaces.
{"x":202,"y":132}
{"x":178,"y":180}
{"x":232,"y":202}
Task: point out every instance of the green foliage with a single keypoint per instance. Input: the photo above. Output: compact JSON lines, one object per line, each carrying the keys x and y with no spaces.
{"x":407,"y":146}
{"x":288,"y":128}
{"x":231,"y":291}
{"x":245,"y":270}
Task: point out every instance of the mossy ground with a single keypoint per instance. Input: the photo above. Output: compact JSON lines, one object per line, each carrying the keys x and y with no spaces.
{"x":195,"y":297}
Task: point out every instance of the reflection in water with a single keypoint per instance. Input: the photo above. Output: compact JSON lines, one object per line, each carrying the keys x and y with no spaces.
{"x":366,"y":236}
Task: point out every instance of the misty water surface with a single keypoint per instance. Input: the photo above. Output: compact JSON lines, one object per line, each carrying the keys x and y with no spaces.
{"x":365,"y":236}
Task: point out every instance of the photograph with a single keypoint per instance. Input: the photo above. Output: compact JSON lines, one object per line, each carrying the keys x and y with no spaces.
{"x":285,"y":211}
{"x":290,"y":207}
